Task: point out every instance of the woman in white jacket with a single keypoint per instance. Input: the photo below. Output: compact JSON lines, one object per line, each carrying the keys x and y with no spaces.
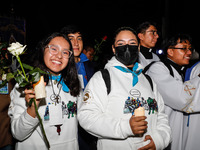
{"x":109,"y":116}
{"x":58,"y":110}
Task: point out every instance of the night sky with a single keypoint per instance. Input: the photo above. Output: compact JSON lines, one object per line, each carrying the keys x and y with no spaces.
{"x":102,"y":17}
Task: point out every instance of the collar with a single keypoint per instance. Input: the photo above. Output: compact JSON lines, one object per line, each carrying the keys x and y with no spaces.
{"x":179,"y":69}
{"x":83,"y":58}
{"x":176,"y":66}
{"x":146,"y":52}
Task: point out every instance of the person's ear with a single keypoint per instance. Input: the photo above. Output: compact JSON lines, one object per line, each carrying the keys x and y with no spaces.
{"x":113,"y":49}
{"x":170,"y":52}
{"x":140,"y":36}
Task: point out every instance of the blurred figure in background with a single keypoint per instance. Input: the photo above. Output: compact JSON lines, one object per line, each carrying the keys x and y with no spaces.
{"x":89,"y":52}
{"x":148,"y":35}
{"x":6,"y":138}
{"x":85,"y":72}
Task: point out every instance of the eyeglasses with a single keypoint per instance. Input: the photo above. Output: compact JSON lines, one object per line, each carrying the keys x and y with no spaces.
{"x":54,"y":49}
{"x":154,"y":32}
{"x":185,"y":49}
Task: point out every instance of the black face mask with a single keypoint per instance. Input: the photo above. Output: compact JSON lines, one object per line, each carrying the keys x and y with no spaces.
{"x":126,"y":54}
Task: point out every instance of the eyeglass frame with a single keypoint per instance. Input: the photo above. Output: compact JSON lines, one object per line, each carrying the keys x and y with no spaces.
{"x":154,"y":31}
{"x":183,"y":49}
{"x":70,"y":52}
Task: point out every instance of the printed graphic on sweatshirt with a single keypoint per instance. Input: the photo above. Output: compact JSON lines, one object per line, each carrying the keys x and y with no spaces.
{"x":132,"y":103}
{"x":69,"y":109}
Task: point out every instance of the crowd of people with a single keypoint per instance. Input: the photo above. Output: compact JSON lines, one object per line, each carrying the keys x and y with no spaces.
{"x":106,"y":100}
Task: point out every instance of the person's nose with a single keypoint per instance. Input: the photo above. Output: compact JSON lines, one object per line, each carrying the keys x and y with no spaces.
{"x":75,"y":42}
{"x":59,"y":55}
{"x":189,"y":51}
{"x":156,"y":35}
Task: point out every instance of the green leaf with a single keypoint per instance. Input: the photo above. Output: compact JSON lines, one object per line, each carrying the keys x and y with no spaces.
{"x":37,"y":70}
{"x":96,"y":58}
{"x":9,"y":76}
{"x":41,"y":71}
{"x":35,"y":77}
{"x":27,"y":66}
{"x":2,"y":45}
{"x":19,"y":79}
{"x":23,"y":84}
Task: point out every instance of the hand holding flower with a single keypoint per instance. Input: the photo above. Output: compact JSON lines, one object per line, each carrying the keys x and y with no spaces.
{"x":30,"y":94}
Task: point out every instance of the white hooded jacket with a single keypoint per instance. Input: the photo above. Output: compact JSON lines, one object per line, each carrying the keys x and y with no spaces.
{"x":27,"y":131}
{"x":107,"y":116}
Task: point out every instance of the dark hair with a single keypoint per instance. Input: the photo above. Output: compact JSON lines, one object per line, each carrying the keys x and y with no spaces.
{"x":123,"y":29}
{"x":71,"y":29}
{"x":144,"y":26}
{"x":69,"y":73}
{"x":173,"y":41}
{"x":89,"y":48}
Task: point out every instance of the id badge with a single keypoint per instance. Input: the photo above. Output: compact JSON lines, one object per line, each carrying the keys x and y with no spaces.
{"x":80,"y":77}
{"x":55,"y":114}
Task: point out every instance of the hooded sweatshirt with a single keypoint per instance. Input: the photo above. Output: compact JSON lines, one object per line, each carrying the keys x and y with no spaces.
{"x":27,"y":130}
{"x":107,"y":116}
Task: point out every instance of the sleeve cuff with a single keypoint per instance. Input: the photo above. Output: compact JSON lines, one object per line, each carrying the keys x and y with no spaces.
{"x":126,"y":128}
{"x":30,"y":119}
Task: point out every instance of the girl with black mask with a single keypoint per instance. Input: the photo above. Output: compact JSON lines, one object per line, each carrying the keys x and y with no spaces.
{"x":111,"y":115}
{"x":125,"y":48}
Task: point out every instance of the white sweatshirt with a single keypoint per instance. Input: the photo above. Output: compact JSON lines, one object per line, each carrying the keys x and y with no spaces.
{"x":178,"y":98}
{"x":106,"y":116}
{"x":27,"y":131}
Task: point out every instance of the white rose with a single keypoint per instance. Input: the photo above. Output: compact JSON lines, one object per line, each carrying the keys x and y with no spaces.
{"x":16,"y":48}
{"x":4,"y":77}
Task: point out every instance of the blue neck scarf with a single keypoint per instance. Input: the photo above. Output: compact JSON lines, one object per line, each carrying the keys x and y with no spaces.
{"x":134,"y":72}
{"x":64,"y":86}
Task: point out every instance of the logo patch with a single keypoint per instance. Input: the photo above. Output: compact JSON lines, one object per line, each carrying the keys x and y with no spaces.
{"x":87,"y":97}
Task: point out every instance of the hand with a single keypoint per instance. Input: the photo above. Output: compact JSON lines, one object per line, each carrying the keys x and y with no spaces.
{"x":28,"y":95}
{"x":138,"y":124}
{"x":150,"y":146}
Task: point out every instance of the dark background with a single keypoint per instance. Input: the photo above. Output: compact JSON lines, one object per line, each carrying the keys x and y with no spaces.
{"x":102,"y":17}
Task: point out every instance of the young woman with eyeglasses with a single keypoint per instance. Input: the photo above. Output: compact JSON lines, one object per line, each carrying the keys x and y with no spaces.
{"x":55,"y":56}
